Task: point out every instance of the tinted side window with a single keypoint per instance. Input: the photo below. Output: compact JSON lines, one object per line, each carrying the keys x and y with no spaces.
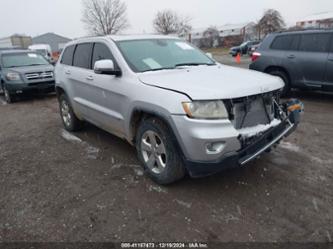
{"x":101,"y":52}
{"x":67,"y":57}
{"x":82,"y":55}
{"x":315,"y":42}
{"x":294,"y":44}
{"x":331,"y":50}
{"x":286,"y":42}
{"x":282,"y":42}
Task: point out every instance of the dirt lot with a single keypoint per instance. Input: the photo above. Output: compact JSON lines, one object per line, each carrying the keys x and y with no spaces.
{"x":88,"y":186}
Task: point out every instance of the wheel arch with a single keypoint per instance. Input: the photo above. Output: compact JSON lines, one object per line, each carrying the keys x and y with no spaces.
{"x":59,"y":90}
{"x":138,"y":115}
{"x":279,"y":68}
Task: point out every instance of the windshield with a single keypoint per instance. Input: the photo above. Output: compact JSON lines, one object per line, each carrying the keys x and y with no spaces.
{"x":41,"y":51}
{"x":159,"y":54}
{"x":244,"y":44}
{"x":23,"y":60}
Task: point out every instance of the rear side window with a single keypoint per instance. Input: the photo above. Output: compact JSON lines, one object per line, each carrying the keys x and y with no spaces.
{"x":315,"y":42}
{"x":67,"y":57}
{"x":82,"y":55}
{"x":101,"y":52}
{"x":286,"y":42}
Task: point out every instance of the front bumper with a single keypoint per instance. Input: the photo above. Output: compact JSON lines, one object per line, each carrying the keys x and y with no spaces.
{"x":19,"y":88}
{"x":242,"y":156}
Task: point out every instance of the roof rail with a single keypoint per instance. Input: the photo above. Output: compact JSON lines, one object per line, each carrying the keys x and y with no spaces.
{"x":295,"y":29}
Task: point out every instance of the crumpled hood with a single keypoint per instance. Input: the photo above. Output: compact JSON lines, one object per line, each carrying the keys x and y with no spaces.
{"x":213,"y":82}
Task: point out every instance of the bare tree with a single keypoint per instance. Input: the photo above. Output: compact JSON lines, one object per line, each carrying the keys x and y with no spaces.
{"x":271,"y":21}
{"x":169,"y":22}
{"x":211,"y":38}
{"x":104,"y":17}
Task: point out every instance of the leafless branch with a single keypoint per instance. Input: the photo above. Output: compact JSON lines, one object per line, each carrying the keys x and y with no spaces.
{"x":104,"y":17}
{"x":169,"y":22}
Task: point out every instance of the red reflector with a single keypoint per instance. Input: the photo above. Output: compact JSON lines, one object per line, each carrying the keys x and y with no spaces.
{"x":255,"y":56}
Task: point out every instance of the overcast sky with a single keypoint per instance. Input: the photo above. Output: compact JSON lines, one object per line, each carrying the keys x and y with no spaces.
{"x":34,"y":17}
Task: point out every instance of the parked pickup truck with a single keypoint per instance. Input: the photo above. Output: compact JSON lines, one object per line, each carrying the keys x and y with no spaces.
{"x":183,"y":111}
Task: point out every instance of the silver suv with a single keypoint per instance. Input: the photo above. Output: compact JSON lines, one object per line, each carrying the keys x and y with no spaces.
{"x":184,"y":112}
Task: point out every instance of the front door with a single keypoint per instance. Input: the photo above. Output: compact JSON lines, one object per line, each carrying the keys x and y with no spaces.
{"x":108,"y":94}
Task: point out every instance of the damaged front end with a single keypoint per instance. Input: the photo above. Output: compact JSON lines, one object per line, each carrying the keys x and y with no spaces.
{"x":262,"y":121}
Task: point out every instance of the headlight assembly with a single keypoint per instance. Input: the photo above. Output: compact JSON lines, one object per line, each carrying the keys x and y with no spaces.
{"x":206,"y":109}
{"x":12,"y":76}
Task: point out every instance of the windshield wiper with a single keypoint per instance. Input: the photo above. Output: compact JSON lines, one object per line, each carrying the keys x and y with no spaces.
{"x":158,"y":69}
{"x":36,"y":64}
{"x":194,"y":64}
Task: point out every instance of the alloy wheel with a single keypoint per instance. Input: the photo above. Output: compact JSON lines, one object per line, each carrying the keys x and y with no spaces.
{"x":154,"y":152}
{"x":65,"y":113}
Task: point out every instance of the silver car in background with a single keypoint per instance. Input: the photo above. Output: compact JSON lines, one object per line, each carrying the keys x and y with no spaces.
{"x":183,"y":111}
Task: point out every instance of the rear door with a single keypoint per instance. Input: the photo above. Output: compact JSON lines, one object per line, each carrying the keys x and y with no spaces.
{"x":329,"y":68}
{"x":309,"y":62}
{"x":81,"y":79}
{"x":63,"y":71}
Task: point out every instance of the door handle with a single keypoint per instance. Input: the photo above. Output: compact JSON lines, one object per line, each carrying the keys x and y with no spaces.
{"x":67,"y":72}
{"x":90,"y":77}
{"x":330,"y":59}
{"x":291,"y":56}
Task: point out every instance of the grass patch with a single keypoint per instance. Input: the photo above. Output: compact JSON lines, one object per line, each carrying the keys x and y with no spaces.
{"x":217,"y":51}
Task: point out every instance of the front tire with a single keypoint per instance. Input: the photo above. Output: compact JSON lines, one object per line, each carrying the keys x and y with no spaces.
{"x":9,"y":98}
{"x":68,"y":117}
{"x":158,"y":152}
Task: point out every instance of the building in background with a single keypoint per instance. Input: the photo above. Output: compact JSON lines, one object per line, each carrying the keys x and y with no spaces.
{"x":227,"y":35}
{"x":56,"y":42}
{"x":16,"y":41}
{"x":235,"y":34}
{"x":321,"y":20}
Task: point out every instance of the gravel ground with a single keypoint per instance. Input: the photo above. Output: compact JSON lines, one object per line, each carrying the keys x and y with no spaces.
{"x":89,"y":186}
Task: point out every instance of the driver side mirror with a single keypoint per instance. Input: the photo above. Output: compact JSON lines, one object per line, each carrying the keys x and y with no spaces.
{"x":106,"y":67}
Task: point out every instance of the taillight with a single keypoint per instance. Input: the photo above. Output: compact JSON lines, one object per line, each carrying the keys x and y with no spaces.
{"x":255,"y":56}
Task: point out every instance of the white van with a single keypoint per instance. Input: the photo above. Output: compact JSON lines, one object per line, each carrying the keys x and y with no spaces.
{"x":43,"y":49}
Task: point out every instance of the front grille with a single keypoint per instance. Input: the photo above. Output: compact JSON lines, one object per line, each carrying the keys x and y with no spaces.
{"x":44,"y":83}
{"x":253,"y":110}
{"x":39,"y":75}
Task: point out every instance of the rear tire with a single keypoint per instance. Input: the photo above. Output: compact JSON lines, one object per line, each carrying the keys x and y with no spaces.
{"x":158,"y":152}
{"x":68,"y":117}
{"x":286,"y":90}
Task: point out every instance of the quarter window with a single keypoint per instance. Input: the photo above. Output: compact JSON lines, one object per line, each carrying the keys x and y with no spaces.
{"x":286,"y":42}
{"x":82,"y":55}
{"x":67,"y":57}
{"x":315,"y":42}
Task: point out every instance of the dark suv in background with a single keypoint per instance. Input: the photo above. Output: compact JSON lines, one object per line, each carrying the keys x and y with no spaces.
{"x":244,"y":48}
{"x":24,"y":71}
{"x":303,"y":59}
